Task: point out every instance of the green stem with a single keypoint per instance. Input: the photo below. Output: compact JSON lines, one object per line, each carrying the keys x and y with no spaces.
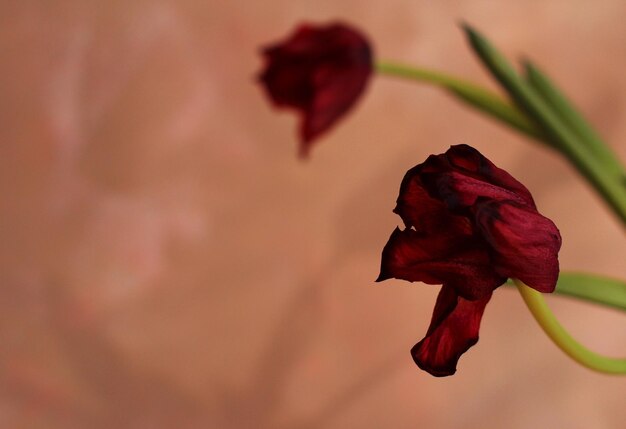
{"x":569,"y":143}
{"x":468,"y":92}
{"x":542,"y":314}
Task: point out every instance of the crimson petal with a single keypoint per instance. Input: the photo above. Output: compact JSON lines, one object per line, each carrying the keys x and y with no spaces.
{"x":462,"y":175}
{"x":459,"y":261}
{"x":453,"y":330}
{"x":422,"y":212}
{"x":525,"y":244}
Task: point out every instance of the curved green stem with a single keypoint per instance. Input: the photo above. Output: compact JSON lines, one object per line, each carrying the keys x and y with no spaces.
{"x":468,"y":92}
{"x":542,"y":314}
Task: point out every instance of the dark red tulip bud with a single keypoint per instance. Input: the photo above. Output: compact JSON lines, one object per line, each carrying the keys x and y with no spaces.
{"x":320,"y":71}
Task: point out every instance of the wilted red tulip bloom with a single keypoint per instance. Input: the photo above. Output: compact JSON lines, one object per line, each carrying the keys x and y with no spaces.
{"x":320,"y":71}
{"x":469,"y":226}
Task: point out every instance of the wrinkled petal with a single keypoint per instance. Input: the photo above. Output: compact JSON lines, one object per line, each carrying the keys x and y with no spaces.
{"x":422,"y":212}
{"x":453,"y":330}
{"x":525,"y":244}
{"x":460,"y":262}
{"x":462,"y":175}
{"x":320,"y":71}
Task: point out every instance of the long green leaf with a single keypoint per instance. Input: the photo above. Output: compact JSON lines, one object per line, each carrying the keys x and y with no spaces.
{"x":593,"y":288}
{"x":567,"y":141}
{"x":572,"y":117}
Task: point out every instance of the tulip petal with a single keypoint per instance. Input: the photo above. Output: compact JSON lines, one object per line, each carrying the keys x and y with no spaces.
{"x":336,"y":89}
{"x":462,"y":175}
{"x":453,"y":330}
{"x":457,"y":261}
{"x":525,"y":244}
{"x":422,"y":212}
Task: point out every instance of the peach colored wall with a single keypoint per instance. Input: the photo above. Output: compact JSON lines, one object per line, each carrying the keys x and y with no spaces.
{"x":166,"y":261}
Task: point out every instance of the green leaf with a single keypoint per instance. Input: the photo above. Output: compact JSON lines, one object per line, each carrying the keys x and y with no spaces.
{"x":593,"y":288}
{"x":558,"y":132}
{"x":571,"y":116}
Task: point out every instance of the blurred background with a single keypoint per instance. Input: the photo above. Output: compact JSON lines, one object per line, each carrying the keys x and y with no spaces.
{"x":166,"y":260}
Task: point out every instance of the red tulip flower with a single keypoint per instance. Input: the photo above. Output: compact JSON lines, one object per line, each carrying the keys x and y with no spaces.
{"x":320,"y":71}
{"x":469,"y":226}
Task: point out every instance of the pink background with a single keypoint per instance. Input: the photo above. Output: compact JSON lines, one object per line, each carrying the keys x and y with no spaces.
{"x":166,"y":261}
